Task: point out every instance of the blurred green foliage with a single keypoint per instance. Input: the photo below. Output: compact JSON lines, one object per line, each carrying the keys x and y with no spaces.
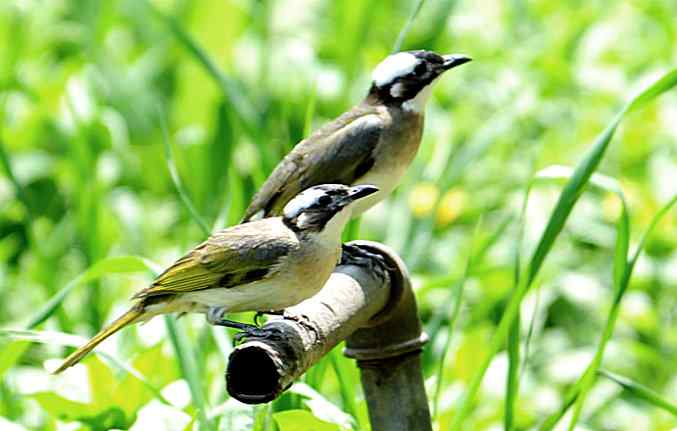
{"x":87,"y":85}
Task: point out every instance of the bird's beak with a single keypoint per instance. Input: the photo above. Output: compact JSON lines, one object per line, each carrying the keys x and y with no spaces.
{"x":453,"y":60}
{"x":358,"y":192}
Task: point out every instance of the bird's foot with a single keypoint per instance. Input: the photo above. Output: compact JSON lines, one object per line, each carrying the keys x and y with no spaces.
{"x":304,"y":321}
{"x":260,"y":314}
{"x":301,"y":319}
{"x":251,"y":331}
{"x":215,"y":317}
{"x":355,"y":255}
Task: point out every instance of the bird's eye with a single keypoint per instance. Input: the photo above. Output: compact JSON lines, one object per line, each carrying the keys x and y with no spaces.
{"x":420,"y":69}
{"x":324,"y":200}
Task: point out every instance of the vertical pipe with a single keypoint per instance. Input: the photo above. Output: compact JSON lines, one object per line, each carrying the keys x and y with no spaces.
{"x":388,"y":353}
{"x":395,"y":393}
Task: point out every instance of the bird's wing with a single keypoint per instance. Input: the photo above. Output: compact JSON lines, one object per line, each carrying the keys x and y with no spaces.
{"x":231,"y":257}
{"x":340,"y":152}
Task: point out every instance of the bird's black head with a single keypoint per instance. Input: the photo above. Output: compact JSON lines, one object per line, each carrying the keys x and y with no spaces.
{"x":324,"y":207}
{"x":403,"y":76}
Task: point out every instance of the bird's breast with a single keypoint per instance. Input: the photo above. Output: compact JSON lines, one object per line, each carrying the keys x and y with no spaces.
{"x":395,"y":152}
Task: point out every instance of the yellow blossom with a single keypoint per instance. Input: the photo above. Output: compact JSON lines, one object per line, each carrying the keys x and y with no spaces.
{"x":422,"y":199}
{"x":451,"y":206}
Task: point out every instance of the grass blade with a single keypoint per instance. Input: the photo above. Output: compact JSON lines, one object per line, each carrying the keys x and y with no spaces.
{"x":512,"y":383}
{"x":20,"y":193}
{"x":241,"y":105}
{"x":453,"y":317}
{"x":188,"y":365}
{"x":620,"y":267}
{"x":452,"y":281}
{"x":513,"y":376}
{"x":176,"y":179}
{"x":109,"y":265}
{"x":530,"y":333}
{"x":580,"y":390}
{"x":341,"y":366}
{"x":184,"y":352}
{"x":561,"y":174}
{"x":18,"y":187}
{"x":640,"y":391}
{"x":69,"y":340}
{"x":407,"y":26}
{"x":567,"y":199}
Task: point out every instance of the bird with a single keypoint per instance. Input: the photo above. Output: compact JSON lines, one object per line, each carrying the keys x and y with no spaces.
{"x":372,"y":143}
{"x":263,"y":265}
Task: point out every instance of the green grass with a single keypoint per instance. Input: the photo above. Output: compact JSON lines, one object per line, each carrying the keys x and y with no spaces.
{"x":129,"y":130}
{"x":567,"y":199}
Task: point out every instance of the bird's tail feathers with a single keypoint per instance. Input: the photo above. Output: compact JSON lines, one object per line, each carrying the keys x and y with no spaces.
{"x":132,"y":315}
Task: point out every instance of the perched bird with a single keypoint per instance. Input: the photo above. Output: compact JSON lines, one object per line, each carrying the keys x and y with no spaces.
{"x":373,"y":143}
{"x":263,"y":265}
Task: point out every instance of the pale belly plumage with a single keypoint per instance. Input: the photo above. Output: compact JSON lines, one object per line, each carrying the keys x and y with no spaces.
{"x":258,"y":296}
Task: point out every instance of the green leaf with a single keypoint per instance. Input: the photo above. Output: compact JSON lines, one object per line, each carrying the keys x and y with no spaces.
{"x":147,"y":362}
{"x":665,"y":83}
{"x":347,"y":377}
{"x":262,"y":417}
{"x":186,"y":357}
{"x":63,"y":339}
{"x":321,"y":407}
{"x":70,"y":410}
{"x":176,"y":178}
{"x":11,"y":353}
{"x":63,"y":408}
{"x":109,"y":265}
{"x":641,"y":392}
{"x":302,"y":420}
{"x":101,"y":382}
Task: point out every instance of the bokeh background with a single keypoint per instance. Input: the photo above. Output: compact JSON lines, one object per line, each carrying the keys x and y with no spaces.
{"x":88,"y":87}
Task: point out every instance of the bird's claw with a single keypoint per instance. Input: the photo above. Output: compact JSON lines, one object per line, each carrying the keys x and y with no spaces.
{"x":355,"y":255}
{"x":215,"y":315}
{"x":260,"y":314}
{"x":250,"y":332}
{"x":302,"y":320}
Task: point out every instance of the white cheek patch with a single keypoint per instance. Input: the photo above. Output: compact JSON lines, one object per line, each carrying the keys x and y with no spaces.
{"x":397,"y":90}
{"x":392,"y":67}
{"x":302,"y":220}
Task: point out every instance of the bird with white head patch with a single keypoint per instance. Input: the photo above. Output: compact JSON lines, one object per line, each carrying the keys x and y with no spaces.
{"x":373,"y":143}
{"x":263,"y":265}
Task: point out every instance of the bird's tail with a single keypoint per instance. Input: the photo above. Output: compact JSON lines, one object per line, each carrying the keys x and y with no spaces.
{"x":132,"y":315}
